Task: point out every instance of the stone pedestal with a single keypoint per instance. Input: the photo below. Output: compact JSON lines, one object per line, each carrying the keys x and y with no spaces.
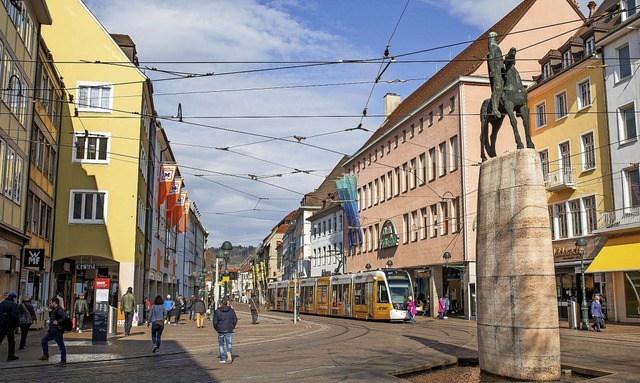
{"x":518,"y":334}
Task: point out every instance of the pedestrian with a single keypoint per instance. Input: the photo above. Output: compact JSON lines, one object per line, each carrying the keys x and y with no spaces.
{"x":441,"y":308}
{"x":128,"y":307}
{"x":81,"y":310}
{"x":412,"y":310}
{"x":9,"y":320}
{"x":224,"y":322}
{"x":254,"y":306}
{"x":60,"y":299}
{"x":192,"y":312}
{"x":147,"y":307}
{"x":55,"y":332}
{"x":446,"y":305}
{"x":596,"y":313}
{"x":198,"y":307}
{"x":157,"y":316}
{"x":179,"y":306}
{"x":168,"y":306}
{"x":27,"y":316}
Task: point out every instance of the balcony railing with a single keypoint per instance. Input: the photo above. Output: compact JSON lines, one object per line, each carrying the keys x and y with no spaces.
{"x":619,"y":218}
{"x":560,"y":179}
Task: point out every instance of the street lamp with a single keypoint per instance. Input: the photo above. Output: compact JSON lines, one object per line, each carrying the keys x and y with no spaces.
{"x":224,"y":253}
{"x":581,"y":243}
{"x":389,"y":263}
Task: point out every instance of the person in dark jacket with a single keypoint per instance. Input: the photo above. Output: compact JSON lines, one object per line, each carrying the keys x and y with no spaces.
{"x":200,"y":309}
{"x":224,"y":321}
{"x":55,"y":333}
{"x":27,"y":315}
{"x":9,"y":319}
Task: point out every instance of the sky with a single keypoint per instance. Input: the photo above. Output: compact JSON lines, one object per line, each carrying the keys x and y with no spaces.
{"x":252,"y":74}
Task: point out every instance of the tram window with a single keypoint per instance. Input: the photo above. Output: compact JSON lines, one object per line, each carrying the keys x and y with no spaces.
{"x":383,"y":294}
{"x":360,"y":296}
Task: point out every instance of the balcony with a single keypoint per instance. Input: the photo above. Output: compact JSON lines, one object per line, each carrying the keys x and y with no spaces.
{"x":559,"y":180}
{"x":619,"y":219}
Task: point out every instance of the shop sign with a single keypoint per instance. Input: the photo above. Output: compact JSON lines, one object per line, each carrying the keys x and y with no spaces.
{"x":565,"y":253}
{"x":388,"y":235}
{"x":34,"y":258}
{"x":85,"y":266}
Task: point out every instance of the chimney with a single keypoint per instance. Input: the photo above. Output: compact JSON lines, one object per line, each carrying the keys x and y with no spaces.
{"x":391,"y":102}
{"x":592,"y":8}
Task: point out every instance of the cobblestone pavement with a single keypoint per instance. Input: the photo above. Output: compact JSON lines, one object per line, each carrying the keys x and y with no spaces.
{"x":317,"y":349}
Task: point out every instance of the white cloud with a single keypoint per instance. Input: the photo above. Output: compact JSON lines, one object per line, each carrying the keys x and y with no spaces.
{"x":478,"y":13}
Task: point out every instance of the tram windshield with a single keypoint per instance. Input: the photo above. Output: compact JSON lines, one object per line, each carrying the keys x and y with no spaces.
{"x":400,"y":288}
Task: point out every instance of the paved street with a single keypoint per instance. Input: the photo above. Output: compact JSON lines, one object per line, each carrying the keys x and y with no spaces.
{"x":317,"y":349}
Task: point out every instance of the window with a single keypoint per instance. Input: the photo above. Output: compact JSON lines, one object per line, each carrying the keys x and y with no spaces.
{"x":565,"y":156}
{"x":389,"y":185}
{"x":423,"y":223}
{"x":421,"y":125}
{"x":375,"y":192}
{"x":433,"y":221}
{"x":405,"y":228}
{"x":444,"y":217}
{"x":413,"y":182}
{"x":3,"y":158}
{"x":412,"y":131}
{"x":404,"y":136}
{"x":591,"y":214}
{"x":546,"y":71}
{"x":628,"y":8}
{"x":430,"y":118}
{"x":563,"y":231}
{"x":443,"y":158}
{"x":453,"y":145}
{"x":91,"y":147}
{"x":627,"y":123}
{"x":87,"y":207}
{"x":561,"y":105}
{"x":395,"y":144}
{"x":589,"y":46}
{"x":383,"y":188}
{"x":141,"y":214}
{"x":452,"y":104}
{"x":433,"y":161}
{"x":544,"y":161}
{"x":422,"y":164}
{"x":588,"y":152}
{"x":414,"y":226}
{"x":566,"y":59}
{"x":9,"y":164}
{"x":455,"y":215}
{"x":584,"y":94}
{"x":632,"y":188}
{"x":406,"y":172}
{"x":17,"y":179}
{"x":93,"y":97}
{"x":440,"y":112}
{"x":396,"y":181}
{"x":624,"y":63}
{"x":541,"y":115}
{"x":576,"y":217}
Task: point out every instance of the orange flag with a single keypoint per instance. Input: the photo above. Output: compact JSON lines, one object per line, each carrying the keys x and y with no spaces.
{"x":184,"y":221}
{"x":172,"y":198}
{"x":178,"y":209}
{"x":166,"y":178}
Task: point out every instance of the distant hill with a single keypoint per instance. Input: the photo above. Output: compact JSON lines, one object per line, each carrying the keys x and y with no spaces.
{"x":238,"y":254}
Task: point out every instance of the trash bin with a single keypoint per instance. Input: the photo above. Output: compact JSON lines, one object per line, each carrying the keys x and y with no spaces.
{"x":573,"y":315}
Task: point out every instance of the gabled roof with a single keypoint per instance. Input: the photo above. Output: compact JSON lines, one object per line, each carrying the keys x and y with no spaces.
{"x":465,"y":63}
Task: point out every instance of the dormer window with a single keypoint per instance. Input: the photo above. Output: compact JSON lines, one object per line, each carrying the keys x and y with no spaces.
{"x":589,"y":46}
{"x":566,"y":59}
{"x":628,"y":8}
{"x":546,"y":71}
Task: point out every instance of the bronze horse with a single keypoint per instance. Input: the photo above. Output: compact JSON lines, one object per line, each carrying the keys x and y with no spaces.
{"x":513,"y":103}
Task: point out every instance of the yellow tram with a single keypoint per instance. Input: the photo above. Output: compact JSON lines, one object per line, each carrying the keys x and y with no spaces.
{"x":369,"y":295}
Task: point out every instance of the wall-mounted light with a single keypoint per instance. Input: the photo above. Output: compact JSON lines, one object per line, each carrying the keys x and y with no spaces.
{"x":367,"y":266}
{"x":389,"y":263}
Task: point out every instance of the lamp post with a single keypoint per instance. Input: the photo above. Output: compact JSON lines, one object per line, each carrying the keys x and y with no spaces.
{"x":224,"y":253}
{"x":581,"y":243}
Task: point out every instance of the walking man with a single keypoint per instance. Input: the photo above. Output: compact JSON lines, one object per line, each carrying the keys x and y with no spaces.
{"x":128,"y":307}
{"x":198,"y":307}
{"x":9,"y":320}
{"x":168,"y":306}
{"x":81,"y":310}
{"x":224,"y":322}
{"x":254,"y":306}
{"x":56,"y":332}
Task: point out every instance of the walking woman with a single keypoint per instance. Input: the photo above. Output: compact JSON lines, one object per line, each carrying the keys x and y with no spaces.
{"x":157,"y":317}
{"x":27,"y":316}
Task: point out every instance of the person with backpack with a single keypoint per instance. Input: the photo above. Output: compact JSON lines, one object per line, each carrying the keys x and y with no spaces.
{"x":59,"y":321}
{"x":9,"y":320}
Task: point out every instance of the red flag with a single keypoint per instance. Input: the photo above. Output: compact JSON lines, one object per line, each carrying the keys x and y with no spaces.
{"x":172,"y":198}
{"x":165,"y":180}
{"x":184,"y":221}
{"x":178,"y":209}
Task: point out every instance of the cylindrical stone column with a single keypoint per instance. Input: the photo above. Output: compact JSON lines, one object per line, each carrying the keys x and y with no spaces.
{"x":518,"y":334}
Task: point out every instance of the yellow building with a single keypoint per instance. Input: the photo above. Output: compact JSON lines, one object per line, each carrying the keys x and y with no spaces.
{"x":103,"y":180}
{"x":569,"y":129}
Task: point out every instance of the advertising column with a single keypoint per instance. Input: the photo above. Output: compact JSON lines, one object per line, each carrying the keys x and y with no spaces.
{"x":101,"y":310}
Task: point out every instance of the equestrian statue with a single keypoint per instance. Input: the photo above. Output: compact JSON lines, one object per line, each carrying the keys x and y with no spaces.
{"x":508,"y":96}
